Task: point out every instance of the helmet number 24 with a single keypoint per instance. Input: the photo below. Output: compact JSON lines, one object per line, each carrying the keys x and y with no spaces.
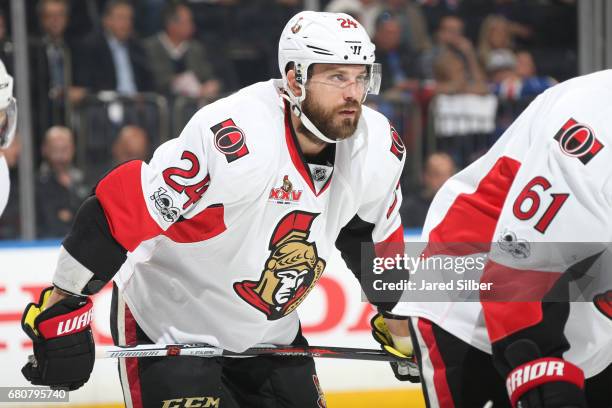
{"x":347,"y":23}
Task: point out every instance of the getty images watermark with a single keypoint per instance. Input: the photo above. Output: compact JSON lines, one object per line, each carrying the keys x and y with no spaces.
{"x":506,"y":270}
{"x":32,"y":394}
{"x":412,"y":265}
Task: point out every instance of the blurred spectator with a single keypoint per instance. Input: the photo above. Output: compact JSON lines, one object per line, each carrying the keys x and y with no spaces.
{"x":526,"y":70}
{"x":519,"y":14}
{"x":10,"y":222}
{"x":113,"y":59}
{"x":435,"y":10}
{"x":495,"y":34}
{"x":464,"y":74}
{"x":453,"y":77}
{"x":514,"y":77}
{"x":501,"y":65}
{"x":60,"y":189}
{"x":132,"y":144}
{"x":398,"y":63}
{"x":365,"y":11}
{"x":6,"y":45}
{"x":180,"y":63}
{"x":439,"y":167}
{"x":414,"y":26}
{"x":51,"y":67}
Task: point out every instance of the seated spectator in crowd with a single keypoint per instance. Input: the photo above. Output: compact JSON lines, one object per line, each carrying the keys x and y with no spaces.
{"x":452,"y":76}
{"x":399,"y":67}
{"x":533,"y":84}
{"x":6,"y":45}
{"x":495,"y":34}
{"x":180,"y":63}
{"x":113,"y":59}
{"x":513,"y":76}
{"x":414,"y":26}
{"x":435,"y":10}
{"x":452,"y":45}
{"x":439,"y":167}
{"x":365,"y":11}
{"x":51,"y":67}
{"x":132,"y":144}
{"x":59,"y":189}
{"x":10,"y":221}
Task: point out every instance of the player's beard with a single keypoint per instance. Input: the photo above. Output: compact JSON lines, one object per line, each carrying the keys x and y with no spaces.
{"x":324,"y":120}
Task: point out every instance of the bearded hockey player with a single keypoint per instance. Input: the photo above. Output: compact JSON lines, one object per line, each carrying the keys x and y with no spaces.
{"x":542,"y":196}
{"x":8,"y":123}
{"x":226,"y":230}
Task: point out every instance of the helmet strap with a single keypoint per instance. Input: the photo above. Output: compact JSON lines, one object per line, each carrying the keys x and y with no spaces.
{"x":295,"y":104}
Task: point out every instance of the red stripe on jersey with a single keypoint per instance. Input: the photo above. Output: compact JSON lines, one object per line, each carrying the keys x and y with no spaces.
{"x":470,"y":222}
{"x":445,"y":398}
{"x":514,"y":287}
{"x":327,"y":184}
{"x":131,"y":364}
{"x":207,"y":224}
{"x":392,"y":245}
{"x":121,"y":196}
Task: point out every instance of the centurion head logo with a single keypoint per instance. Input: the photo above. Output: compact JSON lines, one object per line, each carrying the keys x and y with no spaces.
{"x":290,"y":271}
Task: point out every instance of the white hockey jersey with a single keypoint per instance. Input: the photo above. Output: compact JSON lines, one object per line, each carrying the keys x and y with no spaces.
{"x":548,"y":179}
{"x":228,"y":228}
{"x":5,"y":184}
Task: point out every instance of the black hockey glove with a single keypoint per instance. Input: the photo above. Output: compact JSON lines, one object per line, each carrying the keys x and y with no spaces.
{"x":404,"y":371}
{"x":64,"y":350}
{"x":542,"y":382}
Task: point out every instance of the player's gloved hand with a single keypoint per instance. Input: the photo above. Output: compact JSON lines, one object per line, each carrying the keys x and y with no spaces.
{"x":406,"y":370}
{"x":542,"y":382}
{"x":64,"y":350}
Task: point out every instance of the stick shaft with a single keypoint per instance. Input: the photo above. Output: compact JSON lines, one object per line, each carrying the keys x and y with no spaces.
{"x":205,"y":350}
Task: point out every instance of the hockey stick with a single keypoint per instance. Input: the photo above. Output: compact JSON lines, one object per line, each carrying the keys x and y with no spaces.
{"x":206,"y":350}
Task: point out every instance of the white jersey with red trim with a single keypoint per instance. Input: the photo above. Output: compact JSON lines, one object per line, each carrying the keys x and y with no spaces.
{"x":228,"y":228}
{"x":548,"y":179}
{"x":5,"y":184}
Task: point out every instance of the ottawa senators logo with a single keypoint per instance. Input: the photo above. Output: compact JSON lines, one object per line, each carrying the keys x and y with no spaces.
{"x":397,"y":145}
{"x":578,"y":140}
{"x":230,"y":140}
{"x":290,"y":272}
{"x":603,"y":303}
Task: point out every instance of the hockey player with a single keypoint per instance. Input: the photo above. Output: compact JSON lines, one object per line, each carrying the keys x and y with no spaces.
{"x":542,"y":197}
{"x":225,"y":231}
{"x":8,"y":123}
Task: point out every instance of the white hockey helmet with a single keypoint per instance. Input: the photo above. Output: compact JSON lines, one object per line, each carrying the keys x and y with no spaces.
{"x":8,"y":108}
{"x":312,"y":37}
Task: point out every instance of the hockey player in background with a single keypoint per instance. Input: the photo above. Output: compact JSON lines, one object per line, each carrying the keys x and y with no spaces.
{"x":542,"y":196}
{"x":8,"y":123}
{"x":225,"y":231}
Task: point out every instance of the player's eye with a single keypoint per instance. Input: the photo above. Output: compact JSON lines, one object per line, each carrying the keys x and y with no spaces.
{"x":338,"y":78}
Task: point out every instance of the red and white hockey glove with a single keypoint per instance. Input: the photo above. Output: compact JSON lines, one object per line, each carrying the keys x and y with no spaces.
{"x":544,"y":382}
{"x":64,"y":350}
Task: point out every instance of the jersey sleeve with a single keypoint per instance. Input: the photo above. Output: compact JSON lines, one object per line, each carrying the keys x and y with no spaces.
{"x":552,"y":229}
{"x":376,"y":230}
{"x":5,"y":184}
{"x":140,"y":200}
{"x":134,"y":202}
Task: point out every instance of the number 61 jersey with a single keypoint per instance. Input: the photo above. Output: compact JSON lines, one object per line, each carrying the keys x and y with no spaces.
{"x":228,"y":228}
{"x":543,"y":196}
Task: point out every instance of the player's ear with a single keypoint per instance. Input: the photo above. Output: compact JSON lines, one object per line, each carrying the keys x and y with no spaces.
{"x":292,"y":82}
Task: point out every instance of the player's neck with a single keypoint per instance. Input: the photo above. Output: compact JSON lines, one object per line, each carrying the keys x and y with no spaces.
{"x":309,"y":143}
